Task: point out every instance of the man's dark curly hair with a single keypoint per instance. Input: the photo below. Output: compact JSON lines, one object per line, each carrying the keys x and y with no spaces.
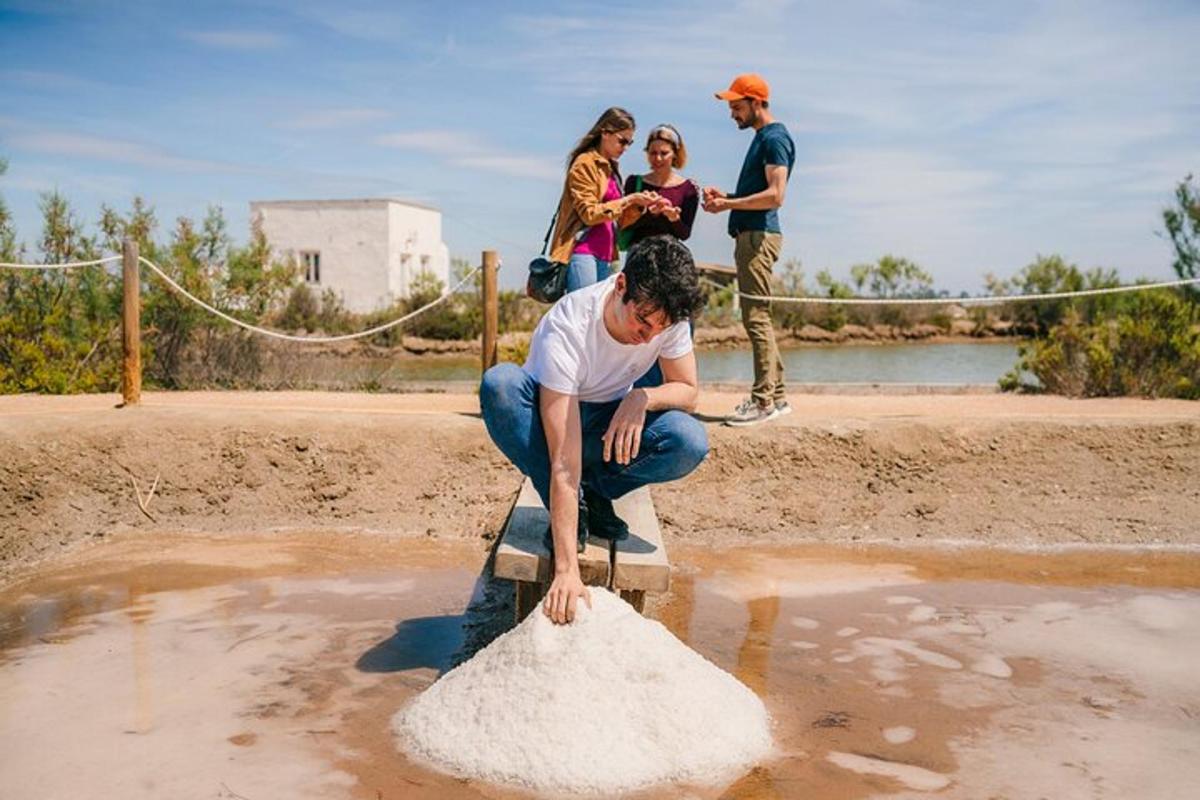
{"x":661,"y":274}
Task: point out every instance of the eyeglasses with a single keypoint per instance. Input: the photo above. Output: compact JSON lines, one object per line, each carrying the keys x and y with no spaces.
{"x":624,"y":140}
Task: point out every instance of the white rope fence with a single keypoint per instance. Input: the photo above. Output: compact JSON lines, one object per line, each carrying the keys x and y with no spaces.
{"x":308,"y":339}
{"x":246,"y":325}
{"x":989,"y":300}
{"x":65,"y":265}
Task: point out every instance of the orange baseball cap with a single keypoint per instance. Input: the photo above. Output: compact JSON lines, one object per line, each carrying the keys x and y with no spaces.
{"x":747,"y":85}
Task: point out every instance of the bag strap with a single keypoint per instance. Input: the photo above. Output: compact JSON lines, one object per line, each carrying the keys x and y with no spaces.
{"x":550,"y":230}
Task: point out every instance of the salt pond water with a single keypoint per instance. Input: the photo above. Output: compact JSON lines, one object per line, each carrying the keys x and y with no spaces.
{"x":192,"y":667}
{"x":954,"y":363}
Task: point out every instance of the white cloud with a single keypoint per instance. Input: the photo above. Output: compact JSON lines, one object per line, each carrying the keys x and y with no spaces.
{"x":75,"y":145}
{"x":237,"y":39}
{"x":462,"y":149}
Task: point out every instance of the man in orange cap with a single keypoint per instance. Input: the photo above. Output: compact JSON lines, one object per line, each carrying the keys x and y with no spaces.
{"x":754,"y":224}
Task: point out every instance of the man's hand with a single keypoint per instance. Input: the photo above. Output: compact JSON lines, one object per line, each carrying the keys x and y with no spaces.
{"x":564,"y":593}
{"x":623,"y":438}
{"x":714,"y":200}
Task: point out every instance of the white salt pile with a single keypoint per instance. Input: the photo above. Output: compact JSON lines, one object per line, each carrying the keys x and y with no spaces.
{"x":611,"y":703}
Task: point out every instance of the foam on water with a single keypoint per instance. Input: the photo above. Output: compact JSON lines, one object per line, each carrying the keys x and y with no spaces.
{"x":611,"y":703}
{"x":901,"y":734}
{"x":912,"y":777}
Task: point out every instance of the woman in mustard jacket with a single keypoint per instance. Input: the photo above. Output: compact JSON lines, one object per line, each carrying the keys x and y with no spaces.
{"x":591,"y":205}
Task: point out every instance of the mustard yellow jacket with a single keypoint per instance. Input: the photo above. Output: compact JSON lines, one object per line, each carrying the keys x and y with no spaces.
{"x":581,"y":205}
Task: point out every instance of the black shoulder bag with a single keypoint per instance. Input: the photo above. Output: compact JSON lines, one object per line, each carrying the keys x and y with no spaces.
{"x":547,"y":280}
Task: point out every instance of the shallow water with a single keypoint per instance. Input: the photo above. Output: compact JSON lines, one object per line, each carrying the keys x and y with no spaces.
{"x":212,"y":667}
{"x":954,"y":363}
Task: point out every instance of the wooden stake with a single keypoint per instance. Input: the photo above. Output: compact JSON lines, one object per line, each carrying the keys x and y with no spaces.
{"x":491,"y":308}
{"x":131,"y":327}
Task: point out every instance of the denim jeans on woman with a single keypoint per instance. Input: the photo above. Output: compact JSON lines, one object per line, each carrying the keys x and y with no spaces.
{"x":584,"y":269}
{"x":673,"y":442}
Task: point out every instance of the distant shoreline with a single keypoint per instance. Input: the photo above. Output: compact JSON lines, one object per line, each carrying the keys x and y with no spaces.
{"x":732,"y":338}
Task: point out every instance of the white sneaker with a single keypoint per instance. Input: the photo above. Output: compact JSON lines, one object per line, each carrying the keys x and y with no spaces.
{"x":749,"y":412}
{"x":783,"y":407}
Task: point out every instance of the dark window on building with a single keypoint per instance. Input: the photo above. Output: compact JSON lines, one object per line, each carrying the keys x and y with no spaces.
{"x":312,"y":266}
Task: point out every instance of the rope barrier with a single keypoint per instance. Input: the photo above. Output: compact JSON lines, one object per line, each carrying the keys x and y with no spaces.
{"x":308,"y":339}
{"x":962,"y":301}
{"x":65,"y":265}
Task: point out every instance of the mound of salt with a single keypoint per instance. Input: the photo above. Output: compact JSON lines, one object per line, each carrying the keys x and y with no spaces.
{"x":611,"y":703}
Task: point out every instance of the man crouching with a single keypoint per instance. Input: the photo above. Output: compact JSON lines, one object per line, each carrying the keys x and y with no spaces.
{"x":571,"y":418}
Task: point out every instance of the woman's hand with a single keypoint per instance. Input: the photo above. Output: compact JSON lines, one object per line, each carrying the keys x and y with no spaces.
{"x":562,"y":598}
{"x":643,"y":199}
{"x":669,"y":211}
{"x":623,"y":438}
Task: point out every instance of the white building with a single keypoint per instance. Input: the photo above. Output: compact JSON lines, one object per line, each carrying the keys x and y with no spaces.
{"x":367,"y":251}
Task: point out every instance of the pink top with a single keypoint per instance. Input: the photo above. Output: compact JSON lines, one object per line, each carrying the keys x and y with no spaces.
{"x":601,"y":240}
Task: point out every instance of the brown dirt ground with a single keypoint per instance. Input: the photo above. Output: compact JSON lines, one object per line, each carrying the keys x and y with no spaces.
{"x":989,"y":469}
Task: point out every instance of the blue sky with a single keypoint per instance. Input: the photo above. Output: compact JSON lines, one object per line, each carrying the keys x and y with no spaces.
{"x":969,"y":137}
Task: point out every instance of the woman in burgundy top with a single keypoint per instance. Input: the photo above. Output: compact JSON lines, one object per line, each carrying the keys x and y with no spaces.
{"x":675,"y":207}
{"x":665,"y":153}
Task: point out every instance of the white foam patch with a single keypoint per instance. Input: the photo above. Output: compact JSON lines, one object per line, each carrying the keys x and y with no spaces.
{"x":846,"y":632}
{"x":992,"y":665}
{"x":345,"y":587}
{"x":887,"y":656}
{"x":900,"y":734}
{"x":804,"y":623}
{"x":609,"y":704}
{"x":901,"y":600}
{"x":917,"y":778}
{"x":799,"y":645}
{"x":1153,"y":640}
{"x":784,"y":579}
{"x":922,"y":614}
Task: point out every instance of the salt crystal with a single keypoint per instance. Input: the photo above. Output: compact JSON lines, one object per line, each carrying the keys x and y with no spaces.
{"x":611,"y":703}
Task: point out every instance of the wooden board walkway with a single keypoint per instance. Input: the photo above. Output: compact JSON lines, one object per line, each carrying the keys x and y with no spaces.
{"x":632,"y":567}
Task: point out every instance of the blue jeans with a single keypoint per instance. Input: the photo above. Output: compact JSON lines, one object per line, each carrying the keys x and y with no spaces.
{"x":584,"y":270}
{"x":673,"y":442}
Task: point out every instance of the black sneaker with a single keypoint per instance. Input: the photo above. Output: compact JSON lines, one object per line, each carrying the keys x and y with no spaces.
{"x":603,"y":522}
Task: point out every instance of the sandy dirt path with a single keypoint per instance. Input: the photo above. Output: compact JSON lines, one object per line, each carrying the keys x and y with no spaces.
{"x":995,"y":469}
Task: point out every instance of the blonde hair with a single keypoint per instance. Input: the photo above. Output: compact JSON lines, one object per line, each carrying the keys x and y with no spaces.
{"x":669,"y":134}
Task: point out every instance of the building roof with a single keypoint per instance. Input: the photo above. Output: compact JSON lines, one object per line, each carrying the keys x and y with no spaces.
{"x":344,"y":202}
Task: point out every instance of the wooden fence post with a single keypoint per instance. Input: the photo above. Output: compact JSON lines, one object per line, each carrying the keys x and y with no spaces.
{"x":491,"y":308}
{"x":131,"y":326}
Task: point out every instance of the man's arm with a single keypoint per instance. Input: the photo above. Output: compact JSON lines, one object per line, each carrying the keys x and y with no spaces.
{"x":767,"y":199}
{"x":680,"y":389}
{"x":564,"y":442}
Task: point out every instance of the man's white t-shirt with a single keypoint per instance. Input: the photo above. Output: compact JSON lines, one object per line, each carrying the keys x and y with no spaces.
{"x":572,"y":351}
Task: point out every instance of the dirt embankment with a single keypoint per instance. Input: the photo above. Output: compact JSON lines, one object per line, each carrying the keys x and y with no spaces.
{"x":990,"y":469}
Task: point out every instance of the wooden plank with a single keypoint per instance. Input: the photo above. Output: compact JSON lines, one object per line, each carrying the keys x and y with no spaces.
{"x":526,"y":598}
{"x":635,"y":598}
{"x":641,"y":559}
{"x":523,"y":555}
{"x":721,"y":273}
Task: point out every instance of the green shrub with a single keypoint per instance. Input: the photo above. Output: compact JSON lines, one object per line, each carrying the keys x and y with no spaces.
{"x":1150,"y":347}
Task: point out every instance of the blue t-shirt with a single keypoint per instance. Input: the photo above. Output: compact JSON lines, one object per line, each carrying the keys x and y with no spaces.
{"x":772,"y":146}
